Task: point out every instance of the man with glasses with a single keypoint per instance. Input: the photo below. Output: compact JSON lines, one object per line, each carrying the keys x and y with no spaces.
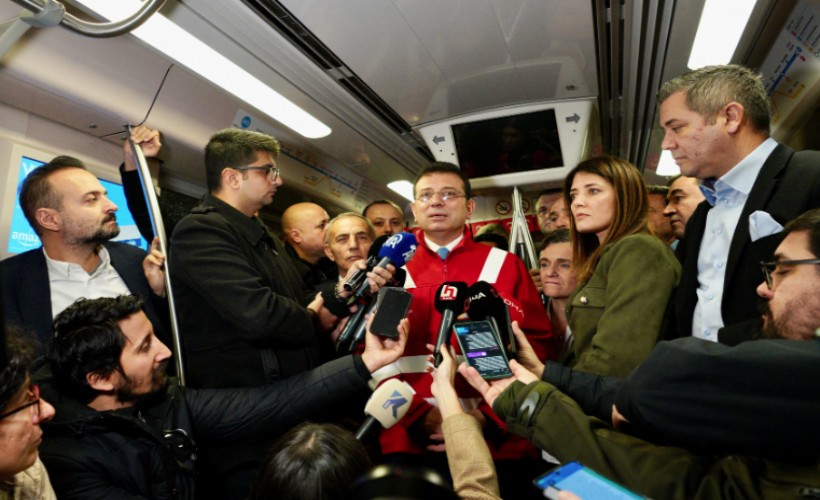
{"x":543,"y":203}
{"x":697,"y":419}
{"x":446,"y":252}
{"x":22,"y":410}
{"x":124,"y":429}
{"x":242,"y":306}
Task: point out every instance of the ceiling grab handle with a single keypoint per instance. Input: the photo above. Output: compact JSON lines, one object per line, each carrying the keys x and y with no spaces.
{"x":48,"y":15}
{"x":99,"y":29}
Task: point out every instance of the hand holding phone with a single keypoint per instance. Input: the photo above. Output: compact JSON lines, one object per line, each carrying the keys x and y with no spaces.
{"x":392,"y":304}
{"x":583,"y":482}
{"x":482,"y":349}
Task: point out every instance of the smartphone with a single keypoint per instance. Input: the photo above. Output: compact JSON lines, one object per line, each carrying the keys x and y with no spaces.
{"x":392,"y":304}
{"x":482,"y":348}
{"x":583,"y":482}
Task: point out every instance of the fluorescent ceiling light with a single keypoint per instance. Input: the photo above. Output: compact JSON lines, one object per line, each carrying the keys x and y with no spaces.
{"x":159,"y":32}
{"x":721,"y":24}
{"x":404,"y":188}
{"x":666,"y":165}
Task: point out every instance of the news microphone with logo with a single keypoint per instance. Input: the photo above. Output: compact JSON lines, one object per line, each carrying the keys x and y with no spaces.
{"x":484,"y":302}
{"x":397,"y":250}
{"x":450,"y":298}
{"x":360,"y":276}
{"x":388,"y":404}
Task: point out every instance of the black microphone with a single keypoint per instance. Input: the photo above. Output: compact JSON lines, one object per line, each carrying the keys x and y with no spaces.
{"x":450,"y":298}
{"x":484,"y":302}
{"x":359,"y":276}
{"x":397,"y":250}
{"x":388,"y":404}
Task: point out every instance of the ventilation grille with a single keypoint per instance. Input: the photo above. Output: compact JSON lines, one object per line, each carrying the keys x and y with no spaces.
{"x":281,"y":19}
{"x":632,"y":38}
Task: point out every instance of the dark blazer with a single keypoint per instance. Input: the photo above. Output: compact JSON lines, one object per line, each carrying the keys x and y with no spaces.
{"x":788,"y":185}
{"x":27,"y":294}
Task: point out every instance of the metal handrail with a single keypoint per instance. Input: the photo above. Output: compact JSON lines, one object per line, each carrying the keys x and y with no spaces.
{"x":100,"y":29}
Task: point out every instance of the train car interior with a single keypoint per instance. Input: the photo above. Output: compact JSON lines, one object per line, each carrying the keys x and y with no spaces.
{"x":364,"y":94}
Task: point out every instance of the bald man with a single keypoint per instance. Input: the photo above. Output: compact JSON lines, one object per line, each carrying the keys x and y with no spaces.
{"x":303,"y":229}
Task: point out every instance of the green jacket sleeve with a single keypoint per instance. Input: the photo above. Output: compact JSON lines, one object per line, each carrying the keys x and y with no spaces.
{"x":554,"y":422}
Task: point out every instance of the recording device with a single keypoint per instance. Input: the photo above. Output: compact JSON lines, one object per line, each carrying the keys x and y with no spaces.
{"x":360,"y":276}
{"x":484,"y":302}
{"x":388,"y":404}
{"x":392,"y":304}
{"x":582,"y":481}
{"x":396,"y":250}
{"x":450,"y":298}
{"x":354,"y":330}
{"x":482,"y":349}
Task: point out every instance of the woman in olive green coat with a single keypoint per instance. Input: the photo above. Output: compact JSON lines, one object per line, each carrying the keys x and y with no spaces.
{"x":626,"y":275}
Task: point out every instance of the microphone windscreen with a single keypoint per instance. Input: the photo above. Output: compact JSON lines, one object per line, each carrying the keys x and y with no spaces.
{"x":399,"y":248}
{"x":390,"y":402}
{"x":483,"y":301}
{"x":451,"y":296}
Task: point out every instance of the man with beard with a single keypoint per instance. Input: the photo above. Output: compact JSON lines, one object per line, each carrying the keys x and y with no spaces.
{"x":70,"y":212}
{"x":746,"y":415}
{"x":126,"y":430}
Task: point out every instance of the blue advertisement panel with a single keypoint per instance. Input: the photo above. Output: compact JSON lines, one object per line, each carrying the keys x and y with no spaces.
{"x":23,"y":237}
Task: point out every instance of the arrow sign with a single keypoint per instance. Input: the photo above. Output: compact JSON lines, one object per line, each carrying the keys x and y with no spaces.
{"x":574,"y":118}
{"x":437,"y":139}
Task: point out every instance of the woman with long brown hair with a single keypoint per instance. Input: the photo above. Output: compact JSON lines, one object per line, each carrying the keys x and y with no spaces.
{"x":626,"y":275}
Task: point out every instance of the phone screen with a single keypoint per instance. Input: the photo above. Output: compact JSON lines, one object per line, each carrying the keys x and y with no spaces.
{"x":583,"y":482}
{"x":481,"y":347}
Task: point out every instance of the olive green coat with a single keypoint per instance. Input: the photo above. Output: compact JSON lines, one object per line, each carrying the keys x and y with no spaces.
{"x":554,"y":422}
{"x":617,"y":314}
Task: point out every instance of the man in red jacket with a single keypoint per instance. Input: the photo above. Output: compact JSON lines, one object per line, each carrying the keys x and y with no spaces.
{"x":442,"y":206}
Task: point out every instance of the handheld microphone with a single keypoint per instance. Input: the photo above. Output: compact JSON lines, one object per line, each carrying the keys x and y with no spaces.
{"x":359,"y":276}
{"x":484,"y":302}
{"x":397,"y":250}
{"x":388,"y":404}
{"x":353,"y":332}
{"x":450,"y":298}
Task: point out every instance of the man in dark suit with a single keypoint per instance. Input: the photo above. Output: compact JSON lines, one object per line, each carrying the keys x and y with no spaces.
{"x":68,"y":208}
{"x":716,"y":123}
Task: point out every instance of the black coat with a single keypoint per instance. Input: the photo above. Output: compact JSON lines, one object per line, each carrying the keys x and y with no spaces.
{"x":788,"y":185}
{"x":27,"y":294}
{"x":125,"y":454}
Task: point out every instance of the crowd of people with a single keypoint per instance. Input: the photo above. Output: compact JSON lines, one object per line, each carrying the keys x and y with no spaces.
{"x":668,"y":339}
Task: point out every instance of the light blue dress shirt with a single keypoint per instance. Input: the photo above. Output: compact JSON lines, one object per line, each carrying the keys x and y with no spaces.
{"x":727,"y":196}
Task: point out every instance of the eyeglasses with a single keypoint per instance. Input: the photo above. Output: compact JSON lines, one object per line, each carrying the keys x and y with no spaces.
{"x":273,"y":172}
{"x":771,"y":269}
{"x":33,"y":400}
{"x":446,"y":195}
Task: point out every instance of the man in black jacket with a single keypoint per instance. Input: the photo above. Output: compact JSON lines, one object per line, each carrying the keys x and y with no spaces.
{"x":68,"y":208}
{"x":125,"y":430}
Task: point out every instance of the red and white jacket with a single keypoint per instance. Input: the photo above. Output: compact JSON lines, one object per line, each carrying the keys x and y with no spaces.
{"x":468,"y":262}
